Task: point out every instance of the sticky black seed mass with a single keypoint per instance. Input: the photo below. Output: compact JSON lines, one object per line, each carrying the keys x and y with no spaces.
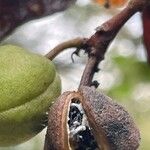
{"x":80,"y":132}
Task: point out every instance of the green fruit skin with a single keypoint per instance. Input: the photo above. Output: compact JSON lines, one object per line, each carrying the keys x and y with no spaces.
{"x":28,"y":86}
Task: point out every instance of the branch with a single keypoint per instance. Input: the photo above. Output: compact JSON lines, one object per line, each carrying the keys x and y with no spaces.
{"x":74,"y":43}
{"x":99,"y":42}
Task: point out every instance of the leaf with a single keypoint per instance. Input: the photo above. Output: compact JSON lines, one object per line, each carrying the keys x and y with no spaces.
{"x":146,"y":28}
{"x":16,"y":12}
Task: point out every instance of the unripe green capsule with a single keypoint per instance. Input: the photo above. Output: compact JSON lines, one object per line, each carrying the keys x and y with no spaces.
{"x":28,"y":85}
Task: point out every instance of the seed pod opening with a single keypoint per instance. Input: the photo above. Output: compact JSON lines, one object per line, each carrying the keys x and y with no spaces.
{"x":89,"y":120}
{"x":80,"y":132}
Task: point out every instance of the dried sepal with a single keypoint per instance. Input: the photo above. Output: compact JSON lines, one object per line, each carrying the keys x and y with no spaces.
{"x":57,"y":133}
{"x":106,"y":115}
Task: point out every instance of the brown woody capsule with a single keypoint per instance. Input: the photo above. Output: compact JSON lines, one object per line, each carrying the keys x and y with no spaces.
{"x":90,"y":120}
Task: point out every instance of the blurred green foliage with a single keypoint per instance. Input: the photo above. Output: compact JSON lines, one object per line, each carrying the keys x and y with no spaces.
{"x":133,"y":74}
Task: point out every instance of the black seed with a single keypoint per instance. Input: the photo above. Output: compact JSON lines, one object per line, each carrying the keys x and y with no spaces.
{"x":84,"y":138}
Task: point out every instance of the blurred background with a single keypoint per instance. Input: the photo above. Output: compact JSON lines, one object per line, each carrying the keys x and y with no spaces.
{"x":124,"y":75}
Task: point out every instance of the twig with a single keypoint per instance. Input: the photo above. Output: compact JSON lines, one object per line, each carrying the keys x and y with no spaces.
{"x":74,"y":43}
{"x":99,"y":42}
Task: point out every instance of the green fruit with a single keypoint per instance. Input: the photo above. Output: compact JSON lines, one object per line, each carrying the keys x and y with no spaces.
{"x":28,"y":85}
